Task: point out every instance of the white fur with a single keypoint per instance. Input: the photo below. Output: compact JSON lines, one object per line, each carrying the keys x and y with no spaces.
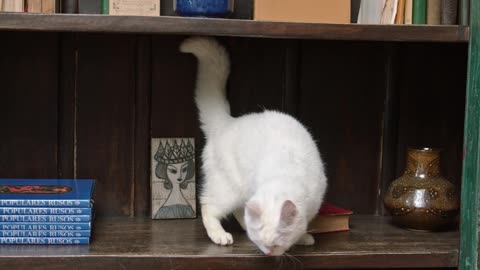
{"x":255,"y":162}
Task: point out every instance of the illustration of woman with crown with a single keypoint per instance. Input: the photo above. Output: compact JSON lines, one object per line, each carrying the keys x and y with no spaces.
{"x":176,"y":169}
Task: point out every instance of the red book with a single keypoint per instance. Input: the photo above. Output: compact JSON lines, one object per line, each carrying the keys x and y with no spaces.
{"x":330,"y":218}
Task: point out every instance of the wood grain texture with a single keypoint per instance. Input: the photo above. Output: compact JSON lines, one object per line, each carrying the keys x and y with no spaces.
{"x":124,"y":243}
{"x":104,"y":115}
{"x":143,"y":94}
{"x":28,"y":119}
{"x":68,"y":75}
{"x":469,"y":245}
{"x":341,"y":102}
{"x":257,"y":78}
{"x":173,"y":111}
{"x":230,"y":27}
{"x":431,"y":81}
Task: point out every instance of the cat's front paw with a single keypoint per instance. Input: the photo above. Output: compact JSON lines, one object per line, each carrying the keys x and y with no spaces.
{"x":221,"y":238}
{"x":306,"y":240}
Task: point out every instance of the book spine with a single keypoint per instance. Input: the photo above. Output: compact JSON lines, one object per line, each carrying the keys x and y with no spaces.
{"x":105,"y":7}
{"x":45,"y":218}
{"x":400,"y":18}
{"x":46,"y":203}
{"x":13,"y":6}
{"x":449,"y":12}
{"x":44,"y":241}
{"x":49,"y":6}
{"x":33,"y":6}
{"x":44,"y":211}
{"x":408,"y":11}
{"x":419,"y":11}
{"x":433,"y":12}
{"x":70,"y":6}
{"x":28,"y":226}
{"x":89,"y":6}
{"x":463,"y":13}
{"x":38,"y":233}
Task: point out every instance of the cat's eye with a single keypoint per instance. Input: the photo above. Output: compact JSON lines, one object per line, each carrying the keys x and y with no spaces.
{"x":173,"y":171}
{"x":184,"y":170}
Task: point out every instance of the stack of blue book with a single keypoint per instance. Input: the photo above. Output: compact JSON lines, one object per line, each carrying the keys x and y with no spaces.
{"x":46,"y":211}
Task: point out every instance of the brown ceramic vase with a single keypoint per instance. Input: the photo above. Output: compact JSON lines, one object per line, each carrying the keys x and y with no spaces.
{"x":421,"y":199}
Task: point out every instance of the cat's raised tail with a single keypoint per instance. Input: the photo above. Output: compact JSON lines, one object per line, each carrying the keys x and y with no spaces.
{"x":213,"y":71}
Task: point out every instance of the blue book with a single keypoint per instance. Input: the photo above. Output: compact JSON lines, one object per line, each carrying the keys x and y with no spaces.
{"x":44,"y":211}
{"x":45,"y":218}
{"x":44,"y":240}
{"x":28,"y":226}
{"x":46,"y":192}
{"x":20,"y":233}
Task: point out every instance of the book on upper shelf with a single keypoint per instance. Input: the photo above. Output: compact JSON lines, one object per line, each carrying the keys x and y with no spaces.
{"x":33,"y":6}
{"x":330,"y":218}
{"x":307,"y":11}
{"x":419,"y":12}
{"x":69,"y":6}
{"x":434,"y":11}
{"x":389,"y":12}
{"x":134,"y":7}
{"x":12,"y":5}
{"x":90,"y":6}
{"x":370,"y":11}
{"x":51,"y":6}
{"x":449,"y":10}
{"x":46,"y":193}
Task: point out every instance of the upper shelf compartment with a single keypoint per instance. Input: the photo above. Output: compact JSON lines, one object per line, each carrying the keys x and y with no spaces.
{"x":229,"y":27}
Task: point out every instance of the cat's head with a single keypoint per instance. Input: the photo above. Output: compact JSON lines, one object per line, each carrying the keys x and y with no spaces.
{"x":274,"y":226}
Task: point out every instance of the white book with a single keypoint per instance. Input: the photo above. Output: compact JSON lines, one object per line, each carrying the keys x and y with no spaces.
{"x":135,"y":7}
{"x":389,"y":12}
{"x":370,"y":11}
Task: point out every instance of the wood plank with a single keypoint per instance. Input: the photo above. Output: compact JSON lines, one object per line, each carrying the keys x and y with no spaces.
{"x":125,"y":243}
{"x":143,"y":95}
{"x":173,"y":111}
{"x":230,"y":27}
{"x":66,"y":104}
{"x":258,"y":75}
{"x":28,"y":105}
{"x":105,"y":120}
{"x":341,"y":102}
{"x":469,"y":246}
{"x":431,"y":105}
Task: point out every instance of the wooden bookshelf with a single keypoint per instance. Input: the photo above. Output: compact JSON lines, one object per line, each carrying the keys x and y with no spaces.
{"x":229,"y":27}
{"x":183,"y":244}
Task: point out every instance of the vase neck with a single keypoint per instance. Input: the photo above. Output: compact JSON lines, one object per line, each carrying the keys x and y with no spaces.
{"x":423,"y":163}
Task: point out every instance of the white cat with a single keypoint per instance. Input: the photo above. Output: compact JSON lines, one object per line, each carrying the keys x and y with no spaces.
{"x":262,"y":167}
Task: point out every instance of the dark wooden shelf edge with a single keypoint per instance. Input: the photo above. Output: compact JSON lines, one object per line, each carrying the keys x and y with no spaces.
{"x":434,"y":261}
{"x":182,"y":244}
{"x":230,"y":27}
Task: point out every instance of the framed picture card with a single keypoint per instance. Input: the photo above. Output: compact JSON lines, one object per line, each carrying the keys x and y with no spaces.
{"x":173,"y":178}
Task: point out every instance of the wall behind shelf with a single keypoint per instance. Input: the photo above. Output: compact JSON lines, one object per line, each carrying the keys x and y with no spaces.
{"x":85,"y":105}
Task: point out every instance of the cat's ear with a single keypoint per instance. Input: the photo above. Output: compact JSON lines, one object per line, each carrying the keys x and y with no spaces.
{"x":289,"y":213}
{"x":253,"y":210}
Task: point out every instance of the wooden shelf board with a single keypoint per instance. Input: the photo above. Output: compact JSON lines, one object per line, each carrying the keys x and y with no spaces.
{"x":183,"y":244}
{"x":229,"y":27}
